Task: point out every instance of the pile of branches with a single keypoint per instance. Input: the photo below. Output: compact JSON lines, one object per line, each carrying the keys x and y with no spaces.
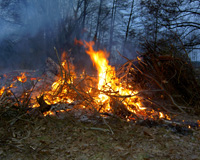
{"x":164,"y":83}
{"x":168,"y":81}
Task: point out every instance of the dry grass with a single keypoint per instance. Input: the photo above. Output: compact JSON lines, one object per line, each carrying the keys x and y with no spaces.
{"x":68,"y":138}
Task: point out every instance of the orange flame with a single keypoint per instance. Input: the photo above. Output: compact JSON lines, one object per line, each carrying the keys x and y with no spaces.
{"x":198,"y":121}
{"x":33,"y":79}
{"x":108,"y":82}
{"x":109,"y":85}
{"x":22,"y":78}
{"x":59,"y":89}
{"x":49,"y":113}
{"x":7,"y":89}
{"x":2,"y":90}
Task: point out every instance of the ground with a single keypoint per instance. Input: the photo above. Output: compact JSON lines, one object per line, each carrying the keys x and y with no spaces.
{"x":36,"y":137}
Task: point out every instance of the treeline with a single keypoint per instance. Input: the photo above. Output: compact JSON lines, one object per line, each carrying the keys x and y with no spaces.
{"x":124,"y":25}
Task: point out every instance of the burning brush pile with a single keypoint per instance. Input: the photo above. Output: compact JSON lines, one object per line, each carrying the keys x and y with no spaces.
{"x":141,"y":89}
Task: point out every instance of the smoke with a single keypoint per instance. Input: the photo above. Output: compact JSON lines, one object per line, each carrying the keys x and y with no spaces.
{"x":21,"y":18}
{"x":25,"y":26}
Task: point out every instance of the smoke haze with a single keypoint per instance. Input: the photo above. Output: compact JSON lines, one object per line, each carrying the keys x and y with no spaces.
{"x":25,"y":22}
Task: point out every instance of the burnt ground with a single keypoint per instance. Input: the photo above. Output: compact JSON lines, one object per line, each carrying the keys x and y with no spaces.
{"x":29,"y":137}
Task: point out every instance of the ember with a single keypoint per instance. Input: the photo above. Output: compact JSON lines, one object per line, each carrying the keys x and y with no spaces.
{"x":22,"y":78}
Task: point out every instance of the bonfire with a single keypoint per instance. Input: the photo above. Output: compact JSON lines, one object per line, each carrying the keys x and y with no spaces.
{"x":113,"y":92}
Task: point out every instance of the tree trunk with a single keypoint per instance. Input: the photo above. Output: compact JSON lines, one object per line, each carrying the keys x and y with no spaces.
{"x":98,"y":21}
{"x":128,"y":25}
{"x":84,"y":13}
{"x":156,"y":31}
{"x":112,"y":25}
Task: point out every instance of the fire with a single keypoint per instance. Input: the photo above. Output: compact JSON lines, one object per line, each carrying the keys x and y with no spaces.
{"x":161,"y":115}
{"x":2,"y":90}
{"x":22,"y":78}
{"x":6,"y":89}
{"x":109,"y":93}
{"x":60,"y":88}
{"x":57,"y":94}
{"x":198,"y":121}
{"x":49,"y":113}
{"x":33,"y":79}
{"x":109,"y":85}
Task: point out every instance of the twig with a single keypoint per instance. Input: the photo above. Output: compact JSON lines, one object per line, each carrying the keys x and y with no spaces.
{"x":15,"y":98}
{"x":17,"y":118}
{"x":59,"y":61}
{"x":98,"y":129}
{"x":107,"y":125}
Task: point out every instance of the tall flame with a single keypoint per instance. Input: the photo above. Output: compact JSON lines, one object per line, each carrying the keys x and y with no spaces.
{"x":108,"y":82}
{"x":99,"y":59}
{"x":109,"y":85}
{"x":106,"y":74}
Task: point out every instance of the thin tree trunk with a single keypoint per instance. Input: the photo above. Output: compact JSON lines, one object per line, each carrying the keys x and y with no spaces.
{"x":98,"y":21}
{"x":112,"y":25}
{"x":128,"y":25}
{"x":156,"y":31}
{"x":129,"y":21}
{"x":76,"y":10}
{"x":84,"y":13}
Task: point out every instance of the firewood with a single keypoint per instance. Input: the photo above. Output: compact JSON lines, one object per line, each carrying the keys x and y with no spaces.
{"x":43,"y":105}
{"x":52,"y":67}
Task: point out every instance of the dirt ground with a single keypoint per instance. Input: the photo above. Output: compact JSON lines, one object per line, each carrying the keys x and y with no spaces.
{"x":29,"y":137}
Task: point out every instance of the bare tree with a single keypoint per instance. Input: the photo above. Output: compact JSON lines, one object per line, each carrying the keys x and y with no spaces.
{"x":98,"y":21}
{"x":129,"y":21}
{"x":112,"y":22}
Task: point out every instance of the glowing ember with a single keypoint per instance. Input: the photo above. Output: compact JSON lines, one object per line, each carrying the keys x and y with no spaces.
{"x":22,"y":78}
{"x":33,"y":79}
{"x":49,"y":113}
{"x":161,"y":115}
{"x":198,"y":121}
{"x":2,"y":90}
{"x":7,"y":89}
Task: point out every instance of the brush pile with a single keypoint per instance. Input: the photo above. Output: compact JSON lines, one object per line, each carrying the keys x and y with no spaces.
{"x":174,"y":76}
{"x":152,"y":86}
